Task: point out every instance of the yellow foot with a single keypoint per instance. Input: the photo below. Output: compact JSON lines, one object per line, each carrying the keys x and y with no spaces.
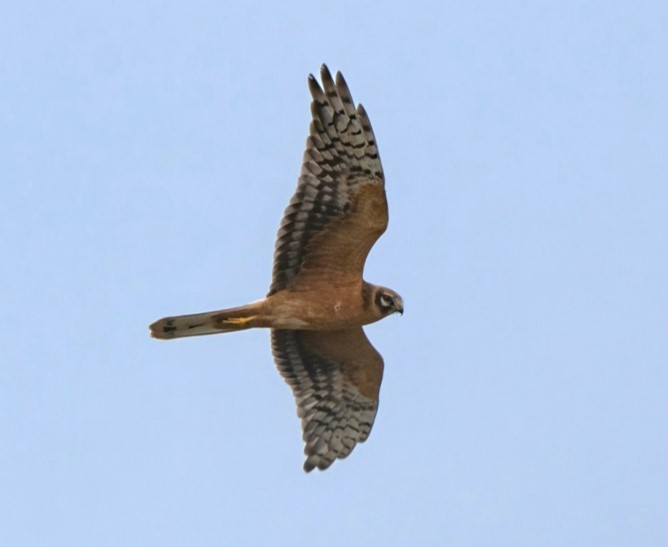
{"x":238,"y":321}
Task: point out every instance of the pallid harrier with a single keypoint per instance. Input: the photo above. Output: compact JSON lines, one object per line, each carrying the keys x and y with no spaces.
{"x":318,"y":301}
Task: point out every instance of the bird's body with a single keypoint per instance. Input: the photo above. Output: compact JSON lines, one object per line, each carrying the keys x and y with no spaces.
{"x":285,"y":309}
{"x":318,"y":301}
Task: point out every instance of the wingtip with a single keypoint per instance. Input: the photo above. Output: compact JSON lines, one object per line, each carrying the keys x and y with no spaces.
{"x":325,"y":74}
{"x":314,"y":86}
{"x":340,"y":80}
{"x":314,"y":461}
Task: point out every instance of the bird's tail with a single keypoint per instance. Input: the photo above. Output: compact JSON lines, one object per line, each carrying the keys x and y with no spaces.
{"x":213,"y":322}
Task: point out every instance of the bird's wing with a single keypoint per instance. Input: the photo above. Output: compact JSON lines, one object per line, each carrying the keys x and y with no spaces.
{"x":335,"y":377}
{"x":339,"y":209}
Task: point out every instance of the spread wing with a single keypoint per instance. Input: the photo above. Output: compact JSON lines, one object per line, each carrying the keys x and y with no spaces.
{"x":339,"y":209}
{"x":335,"y":377}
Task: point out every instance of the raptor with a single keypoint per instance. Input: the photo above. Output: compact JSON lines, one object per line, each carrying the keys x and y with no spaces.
{"x":318,"y":300}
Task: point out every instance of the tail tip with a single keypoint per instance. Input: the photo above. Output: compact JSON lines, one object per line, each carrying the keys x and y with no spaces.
{"x":163,"y":329}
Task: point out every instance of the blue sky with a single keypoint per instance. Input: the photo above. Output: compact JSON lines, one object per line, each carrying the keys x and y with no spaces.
{"x":147,"y":152}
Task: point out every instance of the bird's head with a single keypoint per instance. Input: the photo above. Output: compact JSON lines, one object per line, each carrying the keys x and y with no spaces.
{"x":388,"y":302}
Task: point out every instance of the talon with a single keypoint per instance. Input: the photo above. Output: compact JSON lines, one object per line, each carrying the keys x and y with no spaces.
{"x":238,"y":321}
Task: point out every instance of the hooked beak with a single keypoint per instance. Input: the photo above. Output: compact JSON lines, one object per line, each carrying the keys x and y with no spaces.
{"x":399,"y":306}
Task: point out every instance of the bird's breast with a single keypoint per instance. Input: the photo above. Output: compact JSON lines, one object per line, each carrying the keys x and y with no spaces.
{"x":315,"y":311}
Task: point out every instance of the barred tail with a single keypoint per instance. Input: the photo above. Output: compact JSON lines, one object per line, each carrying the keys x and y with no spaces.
{"x":212,"y":322}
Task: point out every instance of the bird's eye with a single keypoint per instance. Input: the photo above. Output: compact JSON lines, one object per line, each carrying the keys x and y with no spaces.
{"x":386,"y":301}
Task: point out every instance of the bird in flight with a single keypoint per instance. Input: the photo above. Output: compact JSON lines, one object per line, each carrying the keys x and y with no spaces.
{"x":318,"y":301}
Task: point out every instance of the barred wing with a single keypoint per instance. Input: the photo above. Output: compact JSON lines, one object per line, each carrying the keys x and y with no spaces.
{"x":335,"y":377}
{"x":339,"y":209}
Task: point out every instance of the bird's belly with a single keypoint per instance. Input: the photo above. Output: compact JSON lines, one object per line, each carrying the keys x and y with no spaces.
{"x":305,"y":314}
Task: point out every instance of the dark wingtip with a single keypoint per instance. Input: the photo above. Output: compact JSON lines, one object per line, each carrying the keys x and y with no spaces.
{"x":314,"y":86}
{"x":340,"y":80}
{"x":326,"y":76}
